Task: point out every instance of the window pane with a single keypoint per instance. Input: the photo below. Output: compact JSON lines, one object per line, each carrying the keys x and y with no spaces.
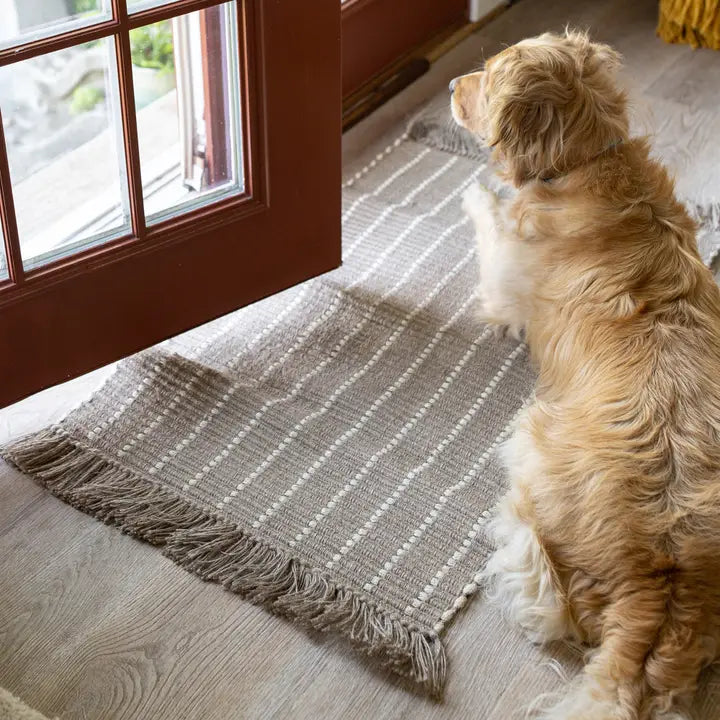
{"x":65,"y":150}
{"x":22,"y":21}
{"x":138,"y":5}
{"x":187,"y":96}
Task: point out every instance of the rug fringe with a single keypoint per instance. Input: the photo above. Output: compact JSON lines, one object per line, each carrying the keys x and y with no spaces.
{"x":267,"y":576}
{"x":219,"y":551}
{"x":437,"y":133}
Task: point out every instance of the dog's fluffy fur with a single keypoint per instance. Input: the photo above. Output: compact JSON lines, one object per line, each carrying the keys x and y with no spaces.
{"x":610,"y":532}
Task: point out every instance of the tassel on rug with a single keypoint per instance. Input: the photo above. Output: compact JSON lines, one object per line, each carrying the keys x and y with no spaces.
{"x":219,"y":551}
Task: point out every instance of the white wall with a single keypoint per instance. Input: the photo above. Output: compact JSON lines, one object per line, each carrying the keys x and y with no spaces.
{"x":480,"y":8}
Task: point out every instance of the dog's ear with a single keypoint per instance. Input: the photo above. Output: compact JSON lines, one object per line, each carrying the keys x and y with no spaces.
{"x":526,"y":134}
{"x":552,"y":107}
{"x":527,"y":113}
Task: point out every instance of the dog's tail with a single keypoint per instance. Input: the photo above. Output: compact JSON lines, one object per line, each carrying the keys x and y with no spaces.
{"x":648,"y":665}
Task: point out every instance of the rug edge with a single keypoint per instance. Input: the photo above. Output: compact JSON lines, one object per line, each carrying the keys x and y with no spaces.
{"x":219,"y":551}
{"x":425,"y":130}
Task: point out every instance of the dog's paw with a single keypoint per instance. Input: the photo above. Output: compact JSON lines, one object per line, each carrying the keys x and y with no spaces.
{"x":503,"y":331}
{"x":478,"y":201}
{"x":500,"y":328}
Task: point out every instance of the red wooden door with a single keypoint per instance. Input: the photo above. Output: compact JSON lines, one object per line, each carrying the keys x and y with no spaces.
{"x":171,"y":162}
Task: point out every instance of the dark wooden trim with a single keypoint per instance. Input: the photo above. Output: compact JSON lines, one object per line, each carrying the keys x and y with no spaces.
{"x":254,"y":108}
{"x":217,"y":147}
{"x":144,"y":300}
{"x":378,"y":32}
{"x":102,"y":305}
{"x":8,"y":218}
{"x":209,"y":217}
{"x":18,"y":53}
{"x":362,"y":103}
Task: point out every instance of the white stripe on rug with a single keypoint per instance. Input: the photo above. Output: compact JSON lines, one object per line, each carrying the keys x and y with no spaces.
{"x":385,"y":184}
{"x":336,"y":394}
{"x":374,"y":162}
{"x":424,"y":595}
{"x":197,"y":377}
{"x":392,"y":207}
{"x":434,"y":514}
{"x":395,"y":441}
{"x":374,"y":407}
{"x":289,"y":439}
{"x":356,"y":538}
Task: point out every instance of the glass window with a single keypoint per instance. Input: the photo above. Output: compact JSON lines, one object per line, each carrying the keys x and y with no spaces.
{"x":186,"y":84}
{"x":139,"y":5}
{"x":64,"y":142}
{"x":3,"y":262}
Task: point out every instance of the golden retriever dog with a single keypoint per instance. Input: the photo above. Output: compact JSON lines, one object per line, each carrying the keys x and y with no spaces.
{"x":610,"y":532}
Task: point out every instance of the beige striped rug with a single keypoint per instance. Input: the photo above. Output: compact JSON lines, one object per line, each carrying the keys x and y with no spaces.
{"x":331,"y":452}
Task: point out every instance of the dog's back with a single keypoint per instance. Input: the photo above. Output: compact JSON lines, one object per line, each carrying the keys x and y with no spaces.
{"x":625,"y":326}
{"x":610,"y":530}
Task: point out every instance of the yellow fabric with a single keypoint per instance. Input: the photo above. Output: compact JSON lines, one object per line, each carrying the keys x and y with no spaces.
{"x":695,"y":22}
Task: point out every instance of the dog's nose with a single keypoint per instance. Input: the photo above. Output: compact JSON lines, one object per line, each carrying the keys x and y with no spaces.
{"x":452,"y":85}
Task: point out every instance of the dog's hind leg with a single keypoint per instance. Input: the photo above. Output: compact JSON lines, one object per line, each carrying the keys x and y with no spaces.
{"x":519,"y":573}
{"x":520,"y":578}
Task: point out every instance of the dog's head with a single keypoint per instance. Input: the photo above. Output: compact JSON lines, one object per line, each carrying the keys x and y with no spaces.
{"x":546,"y":105}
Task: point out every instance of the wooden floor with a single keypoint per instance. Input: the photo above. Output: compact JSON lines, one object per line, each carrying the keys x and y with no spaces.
{"x":94,"y":625}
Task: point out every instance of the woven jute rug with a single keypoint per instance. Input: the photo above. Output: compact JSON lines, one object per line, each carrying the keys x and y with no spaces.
{"x":331,"y":452}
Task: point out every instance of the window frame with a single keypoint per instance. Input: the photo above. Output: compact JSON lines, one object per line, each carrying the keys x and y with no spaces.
{"x":118,"y":29}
